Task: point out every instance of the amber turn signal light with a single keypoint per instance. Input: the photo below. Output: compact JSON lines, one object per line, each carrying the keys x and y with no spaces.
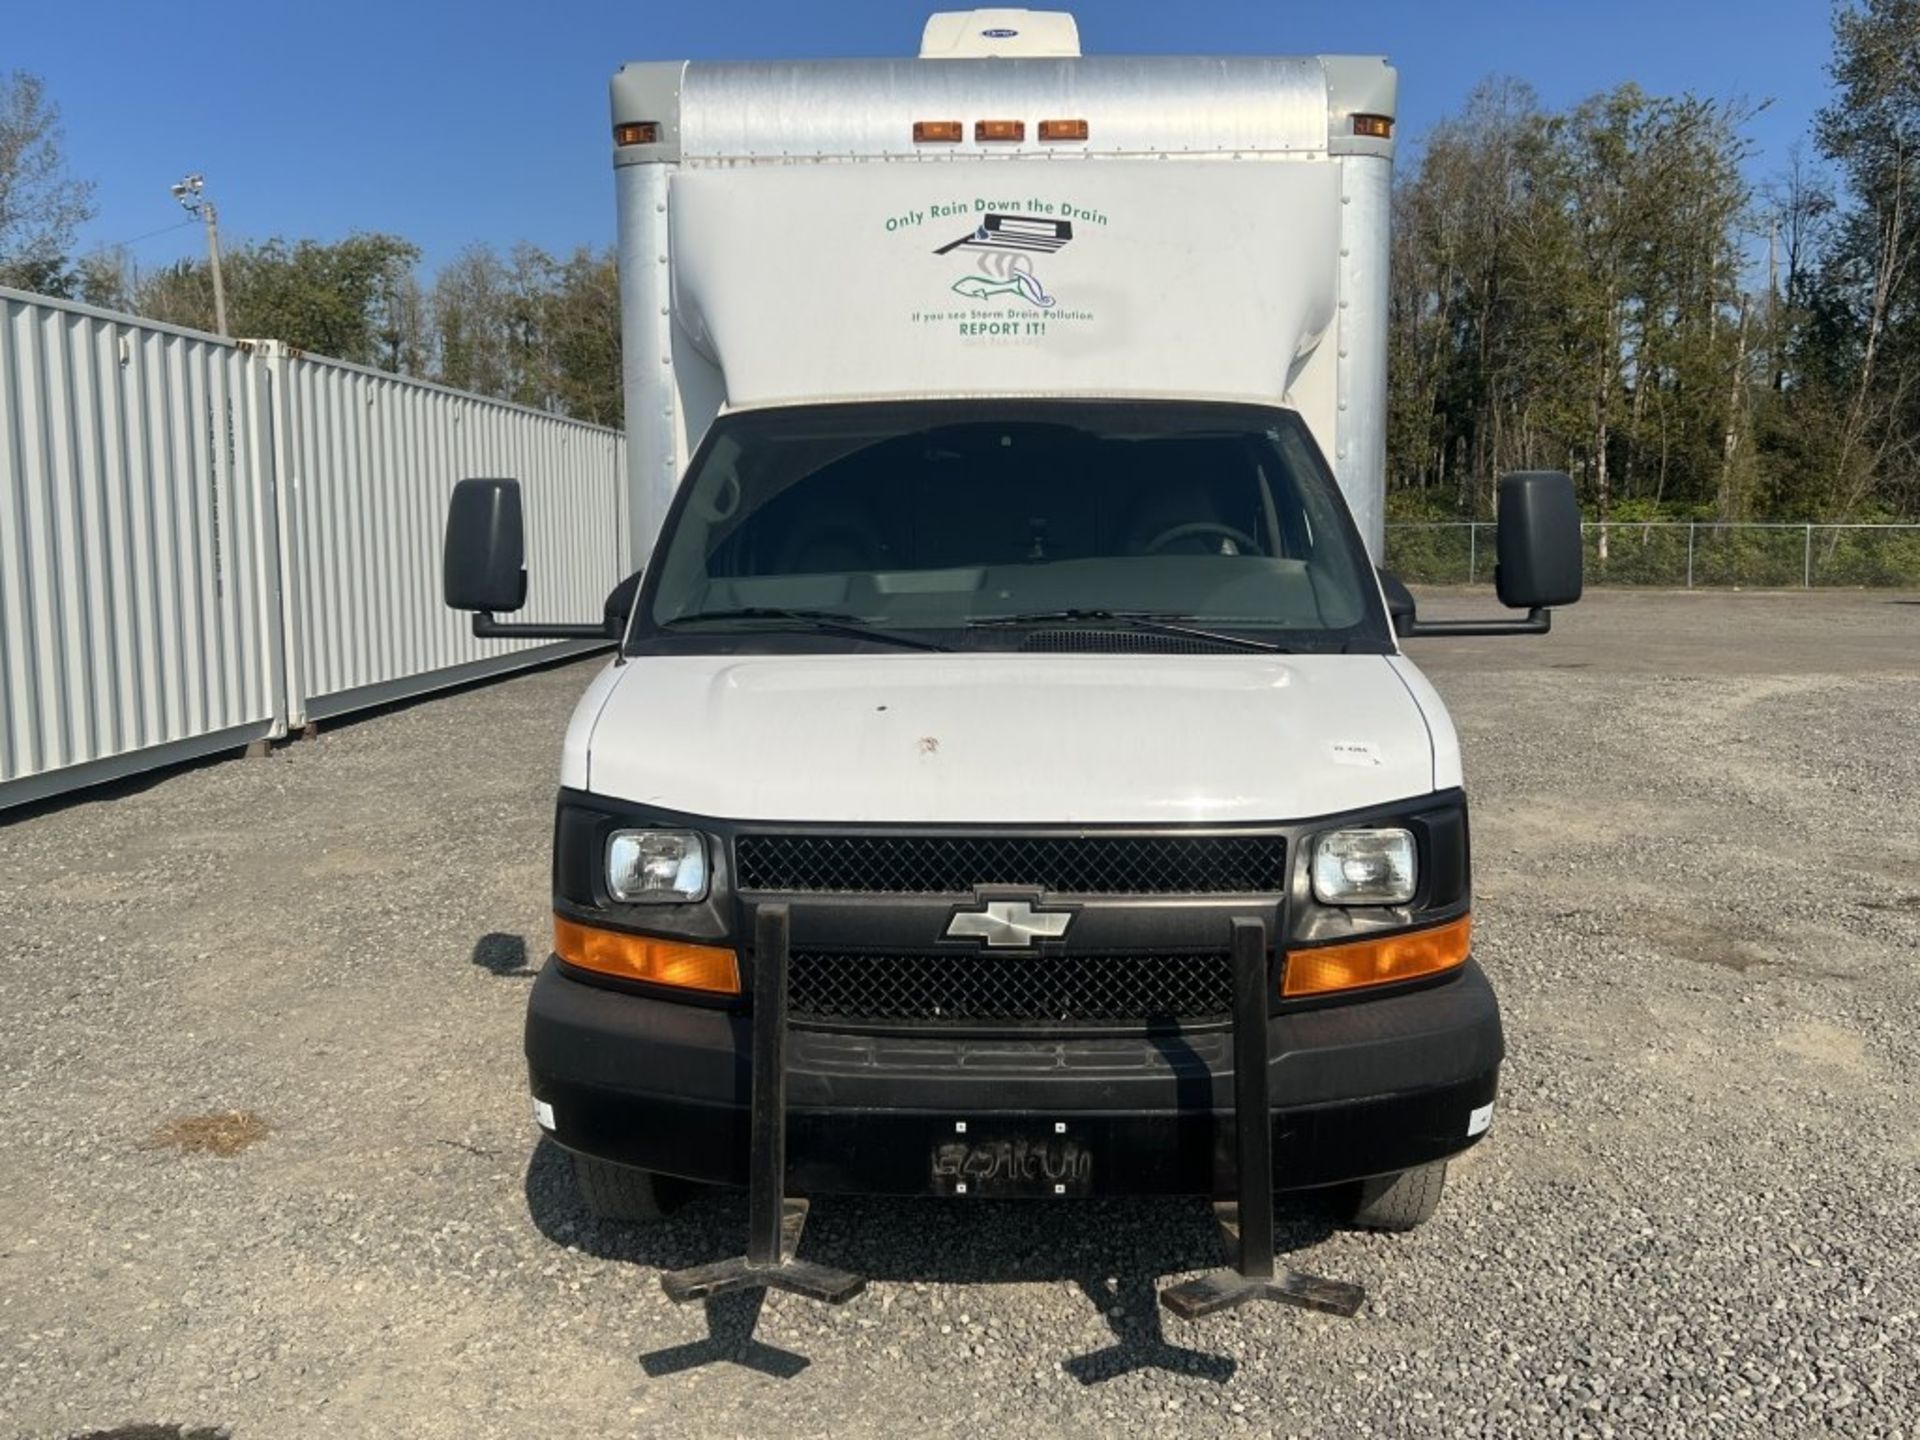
{"x":1374,"y":127}
{"x":1360,"y":963}
{"x":647,"y":957}
{"x":637,"y":132}
{"x":945,"y":132}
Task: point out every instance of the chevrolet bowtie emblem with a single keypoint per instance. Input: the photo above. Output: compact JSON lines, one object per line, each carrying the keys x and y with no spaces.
{"x":1008,"y":924}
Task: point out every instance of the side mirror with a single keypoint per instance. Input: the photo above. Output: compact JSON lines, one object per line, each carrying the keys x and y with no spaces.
{"x":484,"y":564}
{"x":1538,"y":541}
{"x":619,"y":607}
{"x":1539,"y":561}
{"x":1400,"y":605}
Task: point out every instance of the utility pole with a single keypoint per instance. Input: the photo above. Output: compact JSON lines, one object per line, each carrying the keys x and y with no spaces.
{"x":190,"y":193}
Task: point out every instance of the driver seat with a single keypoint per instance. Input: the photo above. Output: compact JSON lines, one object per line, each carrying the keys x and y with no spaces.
{"x":1162,"y":509}
{"x":1183,"y":483}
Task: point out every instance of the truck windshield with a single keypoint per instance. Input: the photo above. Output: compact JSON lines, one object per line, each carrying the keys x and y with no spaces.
{"x":963,"y":522}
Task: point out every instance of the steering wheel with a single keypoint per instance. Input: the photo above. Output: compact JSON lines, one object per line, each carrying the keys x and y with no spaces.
{"x":1248,"y":545}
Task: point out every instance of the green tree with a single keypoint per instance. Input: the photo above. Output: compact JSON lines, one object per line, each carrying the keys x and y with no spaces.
{"x":1566,"y":295}
{"x":581,"y":316}
{"x":469,"y":307}
{"x":354,"y":299}
{"x":1465,"y":223}
{"x":532,"y":329}
{"x":1863,"y":340}
{"x":103,"y":279}
{"x":41,"y":206}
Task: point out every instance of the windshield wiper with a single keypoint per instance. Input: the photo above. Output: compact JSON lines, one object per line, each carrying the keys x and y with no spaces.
{"x":824,"y":622}
{"x":1152,"y":621}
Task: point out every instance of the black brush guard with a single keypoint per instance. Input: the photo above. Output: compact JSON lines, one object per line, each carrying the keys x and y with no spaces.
{"x":775,"y":1222}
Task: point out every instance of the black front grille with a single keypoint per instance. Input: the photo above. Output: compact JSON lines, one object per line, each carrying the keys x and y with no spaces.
{"x":1057,"y":864}
{"x":1010,"y":989}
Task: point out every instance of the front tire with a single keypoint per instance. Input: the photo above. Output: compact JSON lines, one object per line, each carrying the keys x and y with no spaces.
{"x":621,"y":1193}
{"x":1399,"y":1202}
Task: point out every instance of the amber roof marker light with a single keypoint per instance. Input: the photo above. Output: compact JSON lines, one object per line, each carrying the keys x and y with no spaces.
{"x":1374,"y":127}
{"x":938,"y":132}
{"x":1058,"y":130}
{"x":999,"y":132}
{"x":637,"y":132}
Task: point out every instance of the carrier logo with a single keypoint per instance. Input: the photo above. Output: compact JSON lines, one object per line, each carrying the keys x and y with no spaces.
{"x":1008,"y":924}
{"x":1006,"y":245}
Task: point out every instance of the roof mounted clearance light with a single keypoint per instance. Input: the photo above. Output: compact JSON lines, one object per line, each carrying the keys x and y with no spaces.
{"x":637,"y":132}
{"x":944,"y":132}
{"x":1374,"y":127}
{"x":1063,"y":129}
{"x":986,"y":132}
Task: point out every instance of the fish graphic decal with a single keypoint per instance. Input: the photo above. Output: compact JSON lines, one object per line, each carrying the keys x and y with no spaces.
{"x":1006,"y":245}
{"x":1018,"y":282}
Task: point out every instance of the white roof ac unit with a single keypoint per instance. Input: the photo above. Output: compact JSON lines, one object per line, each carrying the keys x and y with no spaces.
{"x":1012,"y":34}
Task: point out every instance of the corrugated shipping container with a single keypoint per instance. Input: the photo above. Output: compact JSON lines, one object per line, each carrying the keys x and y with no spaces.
{"x":369,"y":461}
{"x":138,"y":565}
{"x":204,"y":543}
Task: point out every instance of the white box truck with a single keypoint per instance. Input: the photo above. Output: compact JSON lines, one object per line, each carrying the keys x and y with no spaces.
{"x":1006,"y":431}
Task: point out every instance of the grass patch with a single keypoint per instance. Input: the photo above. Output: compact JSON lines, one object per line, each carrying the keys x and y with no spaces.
{"x":222,"y":1132}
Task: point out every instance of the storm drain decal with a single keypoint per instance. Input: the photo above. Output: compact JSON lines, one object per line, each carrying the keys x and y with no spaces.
{"x":1007,"y":244}
{"x":1014,"y":232}
{"x":1006,"y":250}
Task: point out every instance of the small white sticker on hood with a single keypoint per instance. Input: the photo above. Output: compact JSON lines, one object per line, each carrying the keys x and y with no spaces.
{"x":1356,"y":752}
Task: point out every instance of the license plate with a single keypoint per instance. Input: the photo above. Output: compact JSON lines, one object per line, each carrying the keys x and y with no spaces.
{"x":1011,"y":1166}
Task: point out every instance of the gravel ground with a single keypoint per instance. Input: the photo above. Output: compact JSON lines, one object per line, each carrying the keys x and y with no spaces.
{"x":1698,"y":1211}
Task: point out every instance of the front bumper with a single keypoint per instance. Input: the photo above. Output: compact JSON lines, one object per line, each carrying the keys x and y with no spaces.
{"x":1365,"y":1088}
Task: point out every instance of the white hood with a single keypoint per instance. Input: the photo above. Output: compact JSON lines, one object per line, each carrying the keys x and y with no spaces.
{"x":997,"y":738}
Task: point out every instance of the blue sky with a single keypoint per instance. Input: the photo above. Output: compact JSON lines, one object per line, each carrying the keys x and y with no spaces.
{"x":487,"y":120}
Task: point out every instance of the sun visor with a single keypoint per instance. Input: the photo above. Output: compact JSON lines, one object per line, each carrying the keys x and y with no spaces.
{"x":1112,"y":277}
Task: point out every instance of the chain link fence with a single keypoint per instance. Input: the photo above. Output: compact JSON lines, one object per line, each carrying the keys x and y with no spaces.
{"x":1677,"y":554}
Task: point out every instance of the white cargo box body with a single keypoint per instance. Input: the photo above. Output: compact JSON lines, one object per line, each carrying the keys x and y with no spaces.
{"x":1221,"y":232}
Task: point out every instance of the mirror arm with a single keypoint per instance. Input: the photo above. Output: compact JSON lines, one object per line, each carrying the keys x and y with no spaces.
{"x":1538,"y":622}
{"x":485,"y":627}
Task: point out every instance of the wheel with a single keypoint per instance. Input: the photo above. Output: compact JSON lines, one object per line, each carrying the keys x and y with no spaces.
{"x":619,"y":1192}
{"x":1397,"y":1202}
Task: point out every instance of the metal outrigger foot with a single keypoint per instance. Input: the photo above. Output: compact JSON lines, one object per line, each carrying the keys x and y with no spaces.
{"x":1247,"y":1224}
{"x":774,"y":1222}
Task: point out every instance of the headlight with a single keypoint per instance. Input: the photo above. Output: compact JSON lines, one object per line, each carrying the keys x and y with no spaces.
{"x":656,"y":866}
{"x":1364,"y":867}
